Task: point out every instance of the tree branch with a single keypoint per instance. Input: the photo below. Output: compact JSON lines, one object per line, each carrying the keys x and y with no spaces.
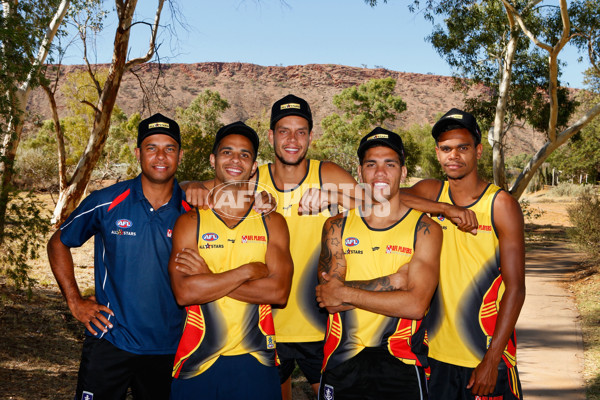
{"x":152,"y":45}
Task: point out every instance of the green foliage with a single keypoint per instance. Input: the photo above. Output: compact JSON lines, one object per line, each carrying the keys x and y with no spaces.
{"x":581,"y":155}
{"x":530,"y":213}
{"x":261,"y":125}
{"x":37,"y":159}
{"x":363,"y":108}
{"x":473,"y":40}
{"x":25,"y":230}
{"x":421,"y":160}
{"x":199,"y":124}
{"x":585,"y":218}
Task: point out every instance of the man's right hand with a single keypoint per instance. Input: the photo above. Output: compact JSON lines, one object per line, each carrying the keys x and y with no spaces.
{"x":463,"y":218}
{"x":88,"y":312}
{"x":196,"y":194}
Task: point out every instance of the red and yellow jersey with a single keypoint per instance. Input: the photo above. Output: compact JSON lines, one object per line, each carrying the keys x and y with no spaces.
{"x":226,"y":326}
{"x":301,"y":320}
{"x":372,"y":253}
{"x":463,"y":314}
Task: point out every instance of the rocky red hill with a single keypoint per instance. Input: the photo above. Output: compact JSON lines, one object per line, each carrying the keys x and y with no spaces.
{"x":251,"y":89}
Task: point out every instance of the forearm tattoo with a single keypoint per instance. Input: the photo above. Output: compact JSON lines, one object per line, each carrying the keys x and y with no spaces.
{"x":382,"y":284}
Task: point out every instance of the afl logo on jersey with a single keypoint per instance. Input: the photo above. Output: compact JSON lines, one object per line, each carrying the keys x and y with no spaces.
{"x":124,"y":223}
{"x":351,"y":241}
{"x":210,"y":237}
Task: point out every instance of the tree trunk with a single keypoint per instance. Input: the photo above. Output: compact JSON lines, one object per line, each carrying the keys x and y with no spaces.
{"x":529,"y":171}
{"x":71,"y":195}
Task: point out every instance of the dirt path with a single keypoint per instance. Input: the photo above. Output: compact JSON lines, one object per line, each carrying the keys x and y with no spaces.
{"x":550,"y":351}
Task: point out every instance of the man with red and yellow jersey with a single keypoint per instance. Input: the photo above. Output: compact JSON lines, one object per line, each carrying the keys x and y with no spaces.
{"x":472,"y":343}
{"x":245,"y":266}
{"x":379,"y":268}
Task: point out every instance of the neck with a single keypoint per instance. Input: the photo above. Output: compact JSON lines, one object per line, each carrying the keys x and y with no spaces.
{"x":157,"y":193}
{"x":467,"y":189}
{"x":233,"y":201}
{"x":384,"y":214}
{"x":285,"y":174}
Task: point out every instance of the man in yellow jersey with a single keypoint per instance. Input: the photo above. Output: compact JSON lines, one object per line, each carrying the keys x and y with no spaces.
{"x":296,"y":183}
{"x":227,"y":350}
{"x":472,"y":343}
{"x":379,"y":268}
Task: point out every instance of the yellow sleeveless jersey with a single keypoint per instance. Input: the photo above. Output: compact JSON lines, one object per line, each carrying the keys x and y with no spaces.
{"x":464,"y":310}
{"x":301,"y":320}
{"x":226,"y":326}
{"x":372,"y":253}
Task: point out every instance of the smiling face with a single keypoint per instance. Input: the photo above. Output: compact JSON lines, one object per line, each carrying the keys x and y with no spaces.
{"x":290,"y":139}
{"x":457,"y":153}
{"x":159,"y":157}
{"x":233,"y":160}
{"x":383,"y":171}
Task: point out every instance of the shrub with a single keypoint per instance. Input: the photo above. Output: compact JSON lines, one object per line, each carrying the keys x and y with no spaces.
{"x":569,"y":190}
{"x":585,"y":218}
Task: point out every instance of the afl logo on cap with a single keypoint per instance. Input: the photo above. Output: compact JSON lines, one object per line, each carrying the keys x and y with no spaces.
{"x":124,"y":223}
{"x":210,"y":237}
{"x":351,"y":241}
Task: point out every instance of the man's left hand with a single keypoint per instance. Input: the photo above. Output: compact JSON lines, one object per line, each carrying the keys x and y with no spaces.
{"x":190,"y":262}
{"x":484,"y":377}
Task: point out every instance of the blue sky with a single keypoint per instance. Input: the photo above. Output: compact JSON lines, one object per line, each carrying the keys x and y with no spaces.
{"x":297,"y":32}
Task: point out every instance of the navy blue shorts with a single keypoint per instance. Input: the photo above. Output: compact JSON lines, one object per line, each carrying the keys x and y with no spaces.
{"x":308,"y":355}
{"x":449,"y":381}
{"x":230,"y":377}
{"x":106,"y":372}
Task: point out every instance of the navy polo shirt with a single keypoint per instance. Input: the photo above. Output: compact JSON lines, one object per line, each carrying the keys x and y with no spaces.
{"x":131,"y":254}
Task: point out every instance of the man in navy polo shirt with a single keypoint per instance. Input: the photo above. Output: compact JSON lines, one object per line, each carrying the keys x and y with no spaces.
{"x":133,"y":322}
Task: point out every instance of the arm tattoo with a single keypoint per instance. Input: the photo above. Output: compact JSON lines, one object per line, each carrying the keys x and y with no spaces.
{"x":374,"y":285}
{"x":425,"y":226}
{"x":330,"y":249}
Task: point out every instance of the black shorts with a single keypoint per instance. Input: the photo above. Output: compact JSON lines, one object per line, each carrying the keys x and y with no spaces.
{"x":449,"y":381}
{"x":106,"y":372}
{"x":373,"y":374}
{"x":308,"y":355}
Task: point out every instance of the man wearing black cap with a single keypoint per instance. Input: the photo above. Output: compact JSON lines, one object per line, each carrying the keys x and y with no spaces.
{"x":482,"y":277}
{"x":227,"y":350}
{"x":379,"y":268}
{"x":133,"y":322}
{"x":297,"y":184}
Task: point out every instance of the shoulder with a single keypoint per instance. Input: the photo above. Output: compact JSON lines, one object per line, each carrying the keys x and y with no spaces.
{"x":276,"y":224}
{"x":334,"y":223}
{"x":333,"y":173}
{"x":428,"y":227}
{"x":507,"y":214}
{"x":427,"y":188}
{"x":506,"y":206}
{"x":187,"y":220}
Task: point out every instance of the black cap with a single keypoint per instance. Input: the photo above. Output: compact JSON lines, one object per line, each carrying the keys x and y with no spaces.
{"x":457,"y":117}
{"x":291,"y":105}
{"x":158,"y":124}
{"x":381,"y":137}
{"x":237,"y":128}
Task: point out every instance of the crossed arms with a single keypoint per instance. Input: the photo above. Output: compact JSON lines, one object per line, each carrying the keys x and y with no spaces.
{"x":405,"y":294}
{"x":255,"y":282}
